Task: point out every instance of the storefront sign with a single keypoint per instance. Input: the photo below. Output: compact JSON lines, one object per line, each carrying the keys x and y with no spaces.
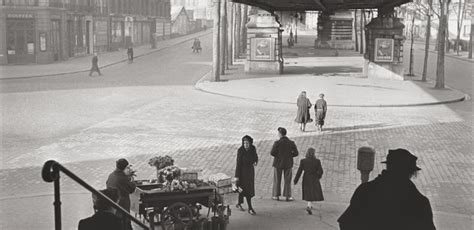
{"x":383,"y":50}
{"x":42,"y":41}
{"x":19,"y":15}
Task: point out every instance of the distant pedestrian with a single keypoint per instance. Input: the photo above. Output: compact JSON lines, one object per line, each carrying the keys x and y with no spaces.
{"x":313,"y":171}
{"x":303,"y":115}
{"x":104,"y":217}
{"x":320,"y":108}
{"x":196,"y":46}
{"x":283,"y":152}
{"x":391,"y":201}
{"x":291,"y":40}
{"x":247,"y":159}
{"x":130,"y":54}
{"x":121,"y":179}
{"x":95,"y":65}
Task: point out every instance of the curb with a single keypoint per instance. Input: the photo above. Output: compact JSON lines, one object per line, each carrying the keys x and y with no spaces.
{"x":108,"y":65}
{"x":202,"y":89}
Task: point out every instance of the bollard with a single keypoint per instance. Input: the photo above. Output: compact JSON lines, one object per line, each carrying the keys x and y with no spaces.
{"x":365,"y":162}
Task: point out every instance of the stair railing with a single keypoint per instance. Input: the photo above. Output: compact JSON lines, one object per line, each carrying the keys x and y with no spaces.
{"x":50,"y":173}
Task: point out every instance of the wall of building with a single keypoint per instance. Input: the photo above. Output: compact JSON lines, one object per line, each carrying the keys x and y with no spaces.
{"x":62,"y":29}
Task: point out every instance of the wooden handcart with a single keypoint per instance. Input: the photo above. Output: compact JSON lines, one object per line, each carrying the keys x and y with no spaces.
{"x":180,"y":209}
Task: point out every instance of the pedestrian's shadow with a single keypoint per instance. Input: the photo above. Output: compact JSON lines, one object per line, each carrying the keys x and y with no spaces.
{"x":355,"y":127}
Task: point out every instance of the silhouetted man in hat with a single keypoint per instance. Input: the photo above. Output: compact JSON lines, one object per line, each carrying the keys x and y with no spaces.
{"x":391,"y":201}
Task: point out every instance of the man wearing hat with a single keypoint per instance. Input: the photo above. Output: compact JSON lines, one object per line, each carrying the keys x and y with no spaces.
{"x":121,"y":180}
{"x":283,"y":152}
{"x":104,"y":217}
{"x":391,"y":201}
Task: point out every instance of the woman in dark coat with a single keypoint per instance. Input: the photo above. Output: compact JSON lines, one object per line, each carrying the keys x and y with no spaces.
{"x":313,"y":171}
{"x":247,"y":159}
{"x":303,"y":116}
{"x":320,"y":108}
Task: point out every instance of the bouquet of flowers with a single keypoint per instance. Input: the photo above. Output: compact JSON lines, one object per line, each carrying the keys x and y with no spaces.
{"x":161,"y":162}
{"x":169,"y":173}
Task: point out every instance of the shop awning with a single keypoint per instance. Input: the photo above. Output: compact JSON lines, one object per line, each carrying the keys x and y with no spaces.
{"x":320,"y":5}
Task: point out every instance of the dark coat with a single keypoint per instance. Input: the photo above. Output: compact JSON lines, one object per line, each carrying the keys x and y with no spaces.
{"x":283,"y":152}
{"x":320,"y":109}
{"x":313,"y":171}
{"x":389,"y":203}
{"x":101,"y":221}
{"x":118,"y":180}
{"x":95,"y":61}
{"x":245,"y":171}
{"x":302,"y":115}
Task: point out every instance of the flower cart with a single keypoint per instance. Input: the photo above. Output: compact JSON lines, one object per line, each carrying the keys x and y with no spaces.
{"x":176,"y":203}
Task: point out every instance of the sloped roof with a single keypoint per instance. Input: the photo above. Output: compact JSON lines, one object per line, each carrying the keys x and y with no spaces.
{"x":320,"y":5}
{"x":176,"y":11}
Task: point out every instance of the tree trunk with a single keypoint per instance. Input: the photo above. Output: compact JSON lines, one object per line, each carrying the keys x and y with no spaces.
{"x":222,"y":36}
{"x":458,"y":31}
{"x":361,"y":50}
{"x":427,"y":42}
{"x":243,"y":29}
{"x":356,"y":40}
{"x":410,"y":71}
{"x":215,"y":40}
{"x":230,"y":17}
{"x":470,"y":38}
{"x":441,"y":47}
{"x":237,"y":36}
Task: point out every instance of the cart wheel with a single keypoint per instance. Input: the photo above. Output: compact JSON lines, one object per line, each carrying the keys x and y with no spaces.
{"x":177,"y":216}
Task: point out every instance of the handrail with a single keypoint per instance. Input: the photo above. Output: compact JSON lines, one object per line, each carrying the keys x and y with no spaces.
{"x":50,"y":173}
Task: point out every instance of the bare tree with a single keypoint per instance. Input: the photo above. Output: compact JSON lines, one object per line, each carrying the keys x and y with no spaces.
{"x":461,"y":12}
{"x":237,"y":37}
{"x":443,"y":21}
{"x":427,"y":39}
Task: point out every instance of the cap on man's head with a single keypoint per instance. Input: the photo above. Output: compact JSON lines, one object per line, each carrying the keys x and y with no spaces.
{"x":282,"y":131}
{"x":401,"y":158}
{"x":121,"y":163}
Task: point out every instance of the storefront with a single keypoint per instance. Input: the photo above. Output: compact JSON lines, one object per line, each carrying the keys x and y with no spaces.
{"x":20,"y":38}
{"x":100,"y":34}
{"x":117,"y":33}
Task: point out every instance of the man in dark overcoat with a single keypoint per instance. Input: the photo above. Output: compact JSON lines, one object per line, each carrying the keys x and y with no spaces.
{"x":391,"y":201}
{"x":130,"y":54}
{"x":121,"y":180}
{"x":95,"y":65}
{"x":283,"y":152}
{"x":104,"y":217}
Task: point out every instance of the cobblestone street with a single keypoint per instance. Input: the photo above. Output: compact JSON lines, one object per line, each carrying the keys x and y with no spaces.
{"x":203,"y":131}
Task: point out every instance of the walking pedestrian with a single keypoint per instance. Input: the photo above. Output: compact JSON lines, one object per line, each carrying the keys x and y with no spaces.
{"x":196,"y":45}
{"x":283,"y":151}
{"x":247,"y":159}
{"x":303,"y":116}
{"x":121,"y":180}
{"x":391,"y":201}
{"x":313,"y":171}
{"x":130,"y":54}
{"x":320,"y":108}
{"x":95,"y":65}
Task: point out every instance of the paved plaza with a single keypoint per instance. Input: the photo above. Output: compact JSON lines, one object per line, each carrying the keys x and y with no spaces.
{"x":87,"y":128}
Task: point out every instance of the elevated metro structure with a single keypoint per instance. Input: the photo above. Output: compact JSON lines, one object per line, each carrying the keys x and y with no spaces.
{"x":384,"y":38}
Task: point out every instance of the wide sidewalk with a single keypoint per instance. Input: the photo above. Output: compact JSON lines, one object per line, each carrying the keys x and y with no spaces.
{"x":337,"y":75}
{"x":83,"y":64}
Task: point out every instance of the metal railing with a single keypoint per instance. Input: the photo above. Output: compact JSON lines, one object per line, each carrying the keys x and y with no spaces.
{"x":50,"y":173}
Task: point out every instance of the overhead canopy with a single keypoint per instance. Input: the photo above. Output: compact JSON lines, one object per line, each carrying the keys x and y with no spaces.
{"x":320,"y":5}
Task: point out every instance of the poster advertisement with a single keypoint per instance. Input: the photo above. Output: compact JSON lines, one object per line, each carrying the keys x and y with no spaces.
{"x":31,"y":48}
{"x":383,"y":50}
{"x":263,"y":48}
{"x":42,"y":41}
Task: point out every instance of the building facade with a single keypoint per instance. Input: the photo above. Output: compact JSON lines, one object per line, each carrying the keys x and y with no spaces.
{"x":46,"y":31}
